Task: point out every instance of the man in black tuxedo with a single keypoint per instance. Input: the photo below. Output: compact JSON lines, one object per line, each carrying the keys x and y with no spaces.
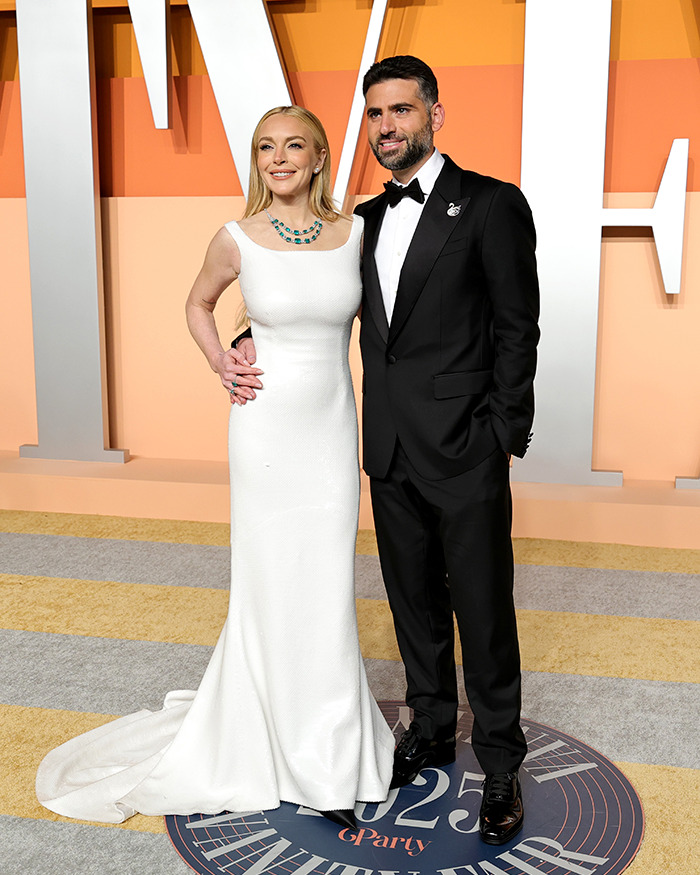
{"x":449,"y":335}
{"x":448,"y":338}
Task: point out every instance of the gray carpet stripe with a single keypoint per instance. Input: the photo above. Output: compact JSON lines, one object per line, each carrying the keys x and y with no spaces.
{"x":100,"y":675}
{"x":630,"y":720}
{"x":636,"y":721}
{"x":121,"y":561}
{"x":653,"y":722}
{"x":545,"y":588}
{"x":580,"y":590}
{"x":603,"y":591}
{"x":33,"y":846}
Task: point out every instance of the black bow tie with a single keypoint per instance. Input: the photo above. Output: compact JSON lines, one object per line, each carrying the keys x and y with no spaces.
{"x":396,"y":192}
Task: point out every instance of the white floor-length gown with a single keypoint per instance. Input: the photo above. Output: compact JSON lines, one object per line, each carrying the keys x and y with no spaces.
{"x":284,"y":711}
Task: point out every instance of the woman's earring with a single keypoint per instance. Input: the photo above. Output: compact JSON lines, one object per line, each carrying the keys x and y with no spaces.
{"x":316,"y":169}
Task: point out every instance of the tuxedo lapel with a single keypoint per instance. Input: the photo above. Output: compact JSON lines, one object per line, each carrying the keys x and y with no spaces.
{"x":372,"y":288}
{"x":443,"y":211}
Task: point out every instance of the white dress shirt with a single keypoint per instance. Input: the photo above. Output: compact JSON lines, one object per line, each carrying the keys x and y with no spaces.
{"x":397,"y":230}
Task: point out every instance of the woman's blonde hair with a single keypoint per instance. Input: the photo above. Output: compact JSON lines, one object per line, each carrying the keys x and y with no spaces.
{"x":320,"y":198}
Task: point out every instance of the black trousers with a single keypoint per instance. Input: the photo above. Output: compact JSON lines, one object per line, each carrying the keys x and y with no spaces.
{"x":444,"y":546}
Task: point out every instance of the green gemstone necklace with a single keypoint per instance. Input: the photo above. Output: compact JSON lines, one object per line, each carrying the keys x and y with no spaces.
{"x":297,"y":236}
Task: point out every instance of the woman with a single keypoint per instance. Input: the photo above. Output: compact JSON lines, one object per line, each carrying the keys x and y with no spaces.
{"x":284,"y":712}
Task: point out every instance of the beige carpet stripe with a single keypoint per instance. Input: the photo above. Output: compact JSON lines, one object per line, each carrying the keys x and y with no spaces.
{"x":568,"y":643}
{"x":123,"y":528}
{"x":672,"y":834}
{"x":582,"y":554}
{"x":137,"y":612}
{"x":564,"y":643}
{"x":528,"y":551}
{"x":26,"y":736}
{"x":622,"y":557}
{"x":608,"y":646}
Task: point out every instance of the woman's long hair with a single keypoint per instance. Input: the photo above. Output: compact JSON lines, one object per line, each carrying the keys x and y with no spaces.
{"x":320,"y":198}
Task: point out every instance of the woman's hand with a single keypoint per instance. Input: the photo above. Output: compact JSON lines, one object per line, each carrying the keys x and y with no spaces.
{"x":237,"y":374}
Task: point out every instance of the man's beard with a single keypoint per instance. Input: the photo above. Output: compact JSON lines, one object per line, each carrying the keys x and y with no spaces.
{"x":418,"y":145}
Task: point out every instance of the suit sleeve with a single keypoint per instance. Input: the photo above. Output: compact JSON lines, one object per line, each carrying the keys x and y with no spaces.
{"x":247,"y":333}
{"x":510,"y":268}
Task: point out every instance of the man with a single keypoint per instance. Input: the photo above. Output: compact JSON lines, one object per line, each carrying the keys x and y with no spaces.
{"x":448,"y":339}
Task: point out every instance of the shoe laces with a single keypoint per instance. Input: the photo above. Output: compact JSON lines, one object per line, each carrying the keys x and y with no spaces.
{"x":499,"y":787}
{"x":409,"y":740}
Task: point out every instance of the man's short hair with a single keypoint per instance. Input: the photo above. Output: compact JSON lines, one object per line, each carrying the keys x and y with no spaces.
{"x":404,"y":67}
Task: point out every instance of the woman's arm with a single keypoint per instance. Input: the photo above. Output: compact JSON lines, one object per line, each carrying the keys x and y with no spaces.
{"x":221,"y":266}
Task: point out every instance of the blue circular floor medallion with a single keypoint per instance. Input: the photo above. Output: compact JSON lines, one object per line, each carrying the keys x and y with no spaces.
{"x":582,"y":816}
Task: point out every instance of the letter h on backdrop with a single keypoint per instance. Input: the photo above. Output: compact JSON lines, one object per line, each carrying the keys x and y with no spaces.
{"x":563,"y":137}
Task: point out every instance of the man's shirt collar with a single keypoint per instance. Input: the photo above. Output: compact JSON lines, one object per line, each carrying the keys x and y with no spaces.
{"x":427,"y":175}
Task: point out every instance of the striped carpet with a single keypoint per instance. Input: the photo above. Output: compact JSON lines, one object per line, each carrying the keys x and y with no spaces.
{"x":102,"y":616}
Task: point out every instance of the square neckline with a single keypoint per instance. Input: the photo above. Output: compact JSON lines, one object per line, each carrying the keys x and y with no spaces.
{"x":294,"y":248}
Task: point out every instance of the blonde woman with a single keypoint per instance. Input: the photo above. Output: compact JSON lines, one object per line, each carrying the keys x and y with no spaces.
{"x":284,"y":711}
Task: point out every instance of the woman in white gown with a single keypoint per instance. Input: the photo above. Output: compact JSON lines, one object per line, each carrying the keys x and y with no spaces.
{"x":284,"y":711}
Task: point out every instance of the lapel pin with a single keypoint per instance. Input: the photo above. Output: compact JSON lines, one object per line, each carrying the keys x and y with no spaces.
{"x":454,"y":210}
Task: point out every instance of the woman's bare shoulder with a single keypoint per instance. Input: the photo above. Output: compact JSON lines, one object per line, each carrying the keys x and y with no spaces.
{"x":223,"y":252}
{"x":344,"y":222}
{"x":251,"y":223}
{"x":336,"y":233}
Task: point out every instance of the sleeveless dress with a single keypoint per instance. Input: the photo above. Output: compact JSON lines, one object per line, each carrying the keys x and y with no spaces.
{"x":284,"y":711}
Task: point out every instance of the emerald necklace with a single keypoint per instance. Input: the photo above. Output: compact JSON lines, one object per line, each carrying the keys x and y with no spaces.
{"x":297,"y":236}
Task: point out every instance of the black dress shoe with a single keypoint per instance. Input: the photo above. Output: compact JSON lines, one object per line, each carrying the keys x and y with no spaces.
{"x":342,"y":816}
{"x":501,"y":814}
{"x":414,"y":753}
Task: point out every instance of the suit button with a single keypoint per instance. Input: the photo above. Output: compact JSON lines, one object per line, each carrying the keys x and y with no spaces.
{"x":391,"y":359}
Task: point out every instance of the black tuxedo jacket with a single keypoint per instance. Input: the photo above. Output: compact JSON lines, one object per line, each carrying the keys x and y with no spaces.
{"x":452,"y":376}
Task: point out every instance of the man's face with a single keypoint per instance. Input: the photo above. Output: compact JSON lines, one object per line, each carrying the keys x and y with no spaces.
{"x":399,"y":126}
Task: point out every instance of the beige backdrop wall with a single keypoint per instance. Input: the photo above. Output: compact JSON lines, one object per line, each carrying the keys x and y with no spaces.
{"x":165,"y":193}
